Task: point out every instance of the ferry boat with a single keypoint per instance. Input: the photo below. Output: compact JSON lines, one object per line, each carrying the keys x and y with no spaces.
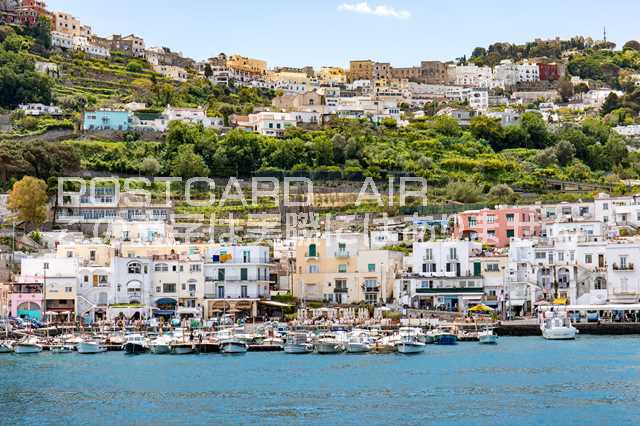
{"x":558,"y":328}
{"x":487,"y":337}
{"x":135,"y":344}
{"x":28,"y":345}
{"x":90,"y":347}
{"x":298,"y":343}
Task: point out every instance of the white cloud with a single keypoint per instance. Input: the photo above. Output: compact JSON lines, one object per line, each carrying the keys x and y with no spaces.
{"x":380,"y":10}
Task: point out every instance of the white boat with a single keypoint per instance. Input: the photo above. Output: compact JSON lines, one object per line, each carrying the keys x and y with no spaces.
{"x":410,"y":345}
{"x":135,"y":344}
{"x":487,"y":337}
{"x":6,"y":346}
{"x":233,"y":346}
{"x":90,"y":347}
{"x":330,"y":343}
{"x":558,"y":328}
{"x":298,"y":343}
{"x":358,"y":342}
{"x":28,"y":345}
{"x":62,"y":349}
{"x":182,"y":348}
{"x":161,"y":345}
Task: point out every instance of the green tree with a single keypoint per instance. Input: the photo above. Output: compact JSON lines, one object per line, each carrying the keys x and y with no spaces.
{"x":565,"y":89}
{"x":489,"y":129}
{"x":150,"y":166}
{"x":502,"y":193}
{"x":565,"y":151}
{"x":187,"y":164}
{"x":464,"y":192}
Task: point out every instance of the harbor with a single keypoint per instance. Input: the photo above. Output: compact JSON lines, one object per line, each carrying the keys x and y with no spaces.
{"x":590,"y":380}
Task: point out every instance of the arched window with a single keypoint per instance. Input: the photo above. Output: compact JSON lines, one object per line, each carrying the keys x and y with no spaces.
{"x":134,"y":286}
{"x":135,"y":268}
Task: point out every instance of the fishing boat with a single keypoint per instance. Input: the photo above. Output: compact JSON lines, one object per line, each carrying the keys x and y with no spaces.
{"x":161,"y":345}
{"x":410,"y":345}
{"x":558,"y":328}
{"x":91,"y":347}
{"x":298,"y":343}
{"x":358,"y":342}
{"x":445,"y":336}
{"x":487,"y":337}
{"x":6,"y":346}
{"x":28,"y":345}
{"x":135,"y":344}
{"x":233,"y":346}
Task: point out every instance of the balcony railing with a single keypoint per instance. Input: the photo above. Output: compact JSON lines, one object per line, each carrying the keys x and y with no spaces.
{"x":342,"y":253}
{"x":340,"y":290}
{"x":627,"y":267}
{"x":312,"y":256}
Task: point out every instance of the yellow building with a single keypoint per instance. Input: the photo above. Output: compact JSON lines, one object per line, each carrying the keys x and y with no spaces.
{"x":247,"y":65}
{"x":341,"y":269}
{"x":289,"y":76}
{"x":332,"y":75}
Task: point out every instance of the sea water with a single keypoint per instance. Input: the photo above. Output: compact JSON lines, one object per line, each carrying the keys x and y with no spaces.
{"x":522,"y":380}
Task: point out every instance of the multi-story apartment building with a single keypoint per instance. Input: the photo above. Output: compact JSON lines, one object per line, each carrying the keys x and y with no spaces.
{"x":247,"y":66}
{"x":66,"y":23}
{"x":342,"y":269}
{"x":129,"y":44}
{"x":497,"y":227}
{"x":236,"y":278}
{"x":59,"y":279}
{"x":440,"y":275}
{"x":471,"y":76}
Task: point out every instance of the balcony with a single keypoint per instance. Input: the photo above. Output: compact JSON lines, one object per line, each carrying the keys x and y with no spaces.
{"x":371,"y":289}
{"x":623,"y":268}
{"x":340,"y":290}
{"x":342,"y":254}
{"x":312,"y":255}
{"x":453,"y":258}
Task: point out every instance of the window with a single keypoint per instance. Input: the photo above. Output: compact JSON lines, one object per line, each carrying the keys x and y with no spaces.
{"x":371,"y":267}
{"x":313,"y":250}
{"x":92,"y":255}
{"x":510,"y":217}
{"x":511,"y":233}
{"x":491,"y":219}
{"x":86,"y":278}
{"x":168,"y":288}
{"x":221,"y":274}
{"x":161,"y":267}
{"x":588,"y":258}
{"x":246,"y":256}
{"x":428,"y":254}
{"x":492,"y":267}
{"x":244,"y":291}
{"x":473,"y":221}
{"x":220,"y":292}
{"x":244,"y":274}
{"x":68,"y":289}
{"x":453,"y":253}
{"x":342,"y":268}
{"x":135,"y":268}
{"x":69,"y":254}
{"x":541,"y":255}
{"x":370,"y":285}
{"x":605,"y":206}
{"x":313,"y":269}
{"x":194,"y":268}
{"x":561,"y":256}
{"x":45,"y":266}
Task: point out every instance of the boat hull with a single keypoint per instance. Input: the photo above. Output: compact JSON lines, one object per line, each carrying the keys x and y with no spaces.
{"x":134,"y":348}
{"x":326,"y":348}
{"x":183,"y":349}
{"x":160,"y":349}
{"x":27,"y":349}
{"x":358,"y":348}
{"x":61,"y":350}
{"x":5,"y":348}
{"x":446,"y":339}
{"x":298,"y":349}
{"x":88,"y":348}
{"x":233,"y":348}
{"x":491,"y":339}
{"x":564,"y":333}
{"x":411,"y":348}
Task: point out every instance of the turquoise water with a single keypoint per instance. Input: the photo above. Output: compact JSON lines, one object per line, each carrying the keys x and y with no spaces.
{"x":593,"y":380}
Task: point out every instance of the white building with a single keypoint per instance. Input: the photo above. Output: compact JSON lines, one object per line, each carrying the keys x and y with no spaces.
{"x":471,"y":76}
{"x":60,"y":279}
{"x":172,"y":72}
{"x":40,"y":109}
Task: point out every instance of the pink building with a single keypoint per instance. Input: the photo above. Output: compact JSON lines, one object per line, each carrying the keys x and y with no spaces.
{"x":26,"y":300}
{"x":497,"y":227}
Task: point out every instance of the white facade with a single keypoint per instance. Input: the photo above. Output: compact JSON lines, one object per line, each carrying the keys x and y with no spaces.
{"x":172,"y":72}
{"x":237,"y":272}
{"x":40,"y":109}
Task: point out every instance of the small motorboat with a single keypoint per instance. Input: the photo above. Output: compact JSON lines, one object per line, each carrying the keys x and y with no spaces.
{"x":88,"y":347}
{"x":28,"y":345}
{"x":161,"y":345}
{"x":445,"y":336}
{"x":358,"y":343}
{"x":329,"y":344}
{"x":6,"y":346}
{"x":558,"y":328}
{"x":410,"y":345}
{"x":487,"y":337}
{"x":233,"y":346}
{"x":135,"y":344}
{"x":61,"y":349}
{"x":298,"y":343}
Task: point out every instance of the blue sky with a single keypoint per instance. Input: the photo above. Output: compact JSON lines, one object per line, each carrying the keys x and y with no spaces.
{"x":330,"y":32}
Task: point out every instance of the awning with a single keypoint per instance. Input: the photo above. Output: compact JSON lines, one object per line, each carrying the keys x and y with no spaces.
{"x":168,"y":312}
{"x":166,"y":301}
{"x":274,"y":303}
{"x":480,"y":308}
